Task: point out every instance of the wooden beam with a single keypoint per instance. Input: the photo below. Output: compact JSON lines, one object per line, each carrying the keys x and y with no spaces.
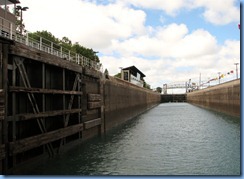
{"x":94,"y":105}
{"x":36,"y":141}
{"x":35,"y":54}
{"x":2,"y":108}
{"x":94,"y":97}
{"x":2,"y":151}
{"x":92,"y":123}
{"x":5,"y":55}
{"x":22,"y":117}
{"x":41,"y":90}
{"x":66,"y":122}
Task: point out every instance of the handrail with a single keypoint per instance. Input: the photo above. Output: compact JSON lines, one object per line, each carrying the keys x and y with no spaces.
{"x":51,"y":48}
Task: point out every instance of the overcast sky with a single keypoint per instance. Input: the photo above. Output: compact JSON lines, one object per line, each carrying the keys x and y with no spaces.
{"x":168,"y":40}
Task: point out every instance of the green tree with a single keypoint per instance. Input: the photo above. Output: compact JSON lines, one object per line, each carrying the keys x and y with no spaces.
{"x":145,"y":85}
{"x":106,"y":73}
{"x":159,"y":89}
{"x":48,"y":38}
{"x":66,"y":40}
{"x":118,"y":75}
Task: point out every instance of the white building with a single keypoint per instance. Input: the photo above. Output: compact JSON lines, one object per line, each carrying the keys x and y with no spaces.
{"x":133,"y":75}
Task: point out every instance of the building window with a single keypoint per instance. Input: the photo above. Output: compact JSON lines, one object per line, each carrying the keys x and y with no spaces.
{"x":126,"y":76}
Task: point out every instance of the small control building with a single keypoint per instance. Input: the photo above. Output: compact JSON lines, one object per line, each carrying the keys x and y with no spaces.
{"x":132,"y":75}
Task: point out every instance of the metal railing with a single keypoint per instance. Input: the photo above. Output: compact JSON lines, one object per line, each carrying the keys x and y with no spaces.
{"x":7,"y":31}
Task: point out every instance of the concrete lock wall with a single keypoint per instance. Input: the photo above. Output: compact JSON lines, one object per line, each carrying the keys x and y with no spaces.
{"x":123,"y":101}
{"x":223,"y":98}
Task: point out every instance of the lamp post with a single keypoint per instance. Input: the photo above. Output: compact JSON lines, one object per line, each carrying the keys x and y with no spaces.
{"x":21,"y":9}
{"x":236,"y":70}
{"x":219,"y":77}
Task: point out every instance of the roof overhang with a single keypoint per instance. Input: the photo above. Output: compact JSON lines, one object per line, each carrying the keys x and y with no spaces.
{"x":8,"y":2}
{"x":133,"y":68}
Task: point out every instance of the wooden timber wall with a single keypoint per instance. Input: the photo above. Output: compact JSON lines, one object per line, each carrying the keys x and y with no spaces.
{"x":48,"y":104}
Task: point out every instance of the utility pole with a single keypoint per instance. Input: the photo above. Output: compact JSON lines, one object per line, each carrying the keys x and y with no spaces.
{"x":219,"y":77}
{"x":236,"y":70}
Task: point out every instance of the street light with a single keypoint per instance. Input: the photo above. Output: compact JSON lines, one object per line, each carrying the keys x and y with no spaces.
{"x":219,"y":77}
{"x":21,"y":16}
{"x":236,"y":70}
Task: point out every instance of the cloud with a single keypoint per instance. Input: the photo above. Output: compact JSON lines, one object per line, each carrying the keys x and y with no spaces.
{"x":170,"y":7}
{"x":178,"y":54}
{"x":198,"y":43}
{"x":219,"y":13}
{"x":117,"y":30}
{"x":86,"y":22}
{"x":173,"y":40}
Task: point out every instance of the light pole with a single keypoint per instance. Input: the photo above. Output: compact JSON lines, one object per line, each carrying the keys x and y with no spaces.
{"x":21,"y":9}
{"x":219,"y":77}
{"x":236,"y":70}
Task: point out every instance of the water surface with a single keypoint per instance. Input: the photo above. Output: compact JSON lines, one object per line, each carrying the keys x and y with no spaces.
{"x":170,"y":139}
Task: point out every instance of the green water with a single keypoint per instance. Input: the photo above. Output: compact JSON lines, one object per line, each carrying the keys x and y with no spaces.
{"x":170,"y":139}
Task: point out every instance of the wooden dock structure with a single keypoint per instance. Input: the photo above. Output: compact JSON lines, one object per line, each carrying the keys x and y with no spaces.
{"x":44,"y":104}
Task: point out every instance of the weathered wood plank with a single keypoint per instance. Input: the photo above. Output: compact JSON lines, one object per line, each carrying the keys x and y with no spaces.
{"x":94,"y":97}
{"x":1,"y":112}
{"x":36,"y":141}
{"x":92,"y":123}
{"x":2,"y":105}
{"x":23,"y":117}
{"x":2,"y":151}
{"x":40,"y":90}
{"x":94,"y":105}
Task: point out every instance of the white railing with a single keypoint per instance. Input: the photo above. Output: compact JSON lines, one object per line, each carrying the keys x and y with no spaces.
{"x":7,"y":31}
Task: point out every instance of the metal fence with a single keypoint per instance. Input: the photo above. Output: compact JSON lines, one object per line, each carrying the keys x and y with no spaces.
{"x":7,"y":31}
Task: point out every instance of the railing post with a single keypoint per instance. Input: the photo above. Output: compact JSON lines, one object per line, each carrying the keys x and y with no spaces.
{"x":51,"y":47}
{"x":40,"y":43}
{"x":27,"y":39}
{"x":69,"y":55}
{"x":61,"y":51}
{"x":11,"y":30}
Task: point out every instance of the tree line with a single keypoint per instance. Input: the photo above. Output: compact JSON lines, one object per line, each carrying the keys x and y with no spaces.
{"x":65,"y":43}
